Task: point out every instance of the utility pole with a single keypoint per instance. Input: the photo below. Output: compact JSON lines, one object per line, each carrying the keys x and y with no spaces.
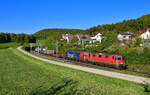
{"x":82,"y":44}
{"x":30,"y":47}
{"x":38,"y":43}
{"x":56,"y":48}
{"x":45,"y":38}
{"x":38,"y":46}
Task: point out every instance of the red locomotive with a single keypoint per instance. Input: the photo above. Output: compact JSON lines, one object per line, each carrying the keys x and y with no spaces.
{"x":105,"y":59}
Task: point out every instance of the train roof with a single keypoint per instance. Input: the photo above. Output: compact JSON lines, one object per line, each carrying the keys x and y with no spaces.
{"x":107,"y":53}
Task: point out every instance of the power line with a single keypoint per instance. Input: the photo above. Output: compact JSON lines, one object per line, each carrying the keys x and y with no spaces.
{"x":56,"y":48}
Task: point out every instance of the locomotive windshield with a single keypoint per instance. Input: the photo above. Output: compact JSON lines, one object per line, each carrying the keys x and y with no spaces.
{"x":123,"y":58}
{"x":118,"y":57}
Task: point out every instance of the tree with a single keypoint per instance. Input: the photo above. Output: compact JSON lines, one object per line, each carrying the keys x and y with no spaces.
{"x":138,"y":41}
{"x":11,"y":37}
{"x":2,"y":38}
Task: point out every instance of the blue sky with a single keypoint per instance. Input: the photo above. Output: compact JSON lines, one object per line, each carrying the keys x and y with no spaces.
{"x":29,"y":16}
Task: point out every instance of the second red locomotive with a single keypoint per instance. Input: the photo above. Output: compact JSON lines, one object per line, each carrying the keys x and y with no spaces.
{"x":98,"y":58}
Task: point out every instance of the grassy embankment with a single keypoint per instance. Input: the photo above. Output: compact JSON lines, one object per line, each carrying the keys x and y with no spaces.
{"x":8,"y":45}
{"x":23,"y":75}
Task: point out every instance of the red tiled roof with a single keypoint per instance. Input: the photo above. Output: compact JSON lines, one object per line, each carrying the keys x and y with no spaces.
{"x":142,"y":31}
{"x":147,"y":29}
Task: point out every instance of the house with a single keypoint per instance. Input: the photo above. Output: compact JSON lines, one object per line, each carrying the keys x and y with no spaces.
{"x":65,"y":37}
{"x":125,"y":36}
{"x":80,"y":37}
{"x":143,"y":31}
{"x":146,"y":34}
{"x":85,"y":38}
{"x":140,"y":32}
{"x":68,"y":37}
{"x":97,"y":37}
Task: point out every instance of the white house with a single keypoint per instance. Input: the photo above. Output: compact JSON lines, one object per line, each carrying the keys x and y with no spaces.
{"x":67,"y":37}
{"x":98,"y":38}
{"x":146,"y":35}
{"x":124,"y":36}
{"x":80,"y":37}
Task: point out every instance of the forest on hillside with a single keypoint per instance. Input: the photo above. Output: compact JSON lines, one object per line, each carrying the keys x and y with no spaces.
{"x":55,"y":33}
{"x":20,"y":38}
{"x":132,"y":25}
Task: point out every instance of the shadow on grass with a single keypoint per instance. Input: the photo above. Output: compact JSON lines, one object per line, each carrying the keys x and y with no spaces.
{"x":67,"y":87}
{"x":4,"y":47}
{"x":146,"y":87}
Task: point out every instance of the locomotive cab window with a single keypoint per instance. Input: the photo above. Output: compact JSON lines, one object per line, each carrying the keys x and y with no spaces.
{"x":100,"y":56}
{"x":118,"y":58}
{"x":106,"y":56}
{"x":89,"y":55}
{"x":113,"y":57}
{"x":94,"y":55}
{"x":123,"y":58}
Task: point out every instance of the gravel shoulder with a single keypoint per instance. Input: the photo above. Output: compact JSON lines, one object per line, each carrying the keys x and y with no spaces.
{"x":92,"y":70}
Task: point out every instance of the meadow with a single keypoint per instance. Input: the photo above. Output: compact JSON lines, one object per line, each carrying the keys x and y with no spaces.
{"x":23,"y":75}
{"x":8,"y":45}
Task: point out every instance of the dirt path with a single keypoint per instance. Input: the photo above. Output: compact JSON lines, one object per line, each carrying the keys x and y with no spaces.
{"x":95,"y":71}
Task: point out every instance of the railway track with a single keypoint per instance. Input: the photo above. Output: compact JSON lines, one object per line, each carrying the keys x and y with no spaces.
{"x":91,"y":65}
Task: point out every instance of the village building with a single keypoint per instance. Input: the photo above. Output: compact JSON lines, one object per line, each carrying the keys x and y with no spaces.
{"x":79,"y":37}
{"x":145,"y":35}
{"x":83,"y":38}
{"x":68,"y":37}
{"x":98,"y":37}
{"x":125,"y":36}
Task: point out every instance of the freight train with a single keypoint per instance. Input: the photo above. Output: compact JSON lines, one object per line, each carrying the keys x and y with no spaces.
{"x":95,"y":58}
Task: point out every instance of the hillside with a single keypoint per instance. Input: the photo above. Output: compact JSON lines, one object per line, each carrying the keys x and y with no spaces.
{"x":132,"y":25}
{"x":19,"y":38}
{"x":56,"y":33}
{"x":110,"y":31}
{"x":47,"y":37}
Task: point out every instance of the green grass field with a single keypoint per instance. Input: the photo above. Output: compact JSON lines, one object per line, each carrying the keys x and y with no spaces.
{"x":23,"y":75}
{"x":8,"y":45}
